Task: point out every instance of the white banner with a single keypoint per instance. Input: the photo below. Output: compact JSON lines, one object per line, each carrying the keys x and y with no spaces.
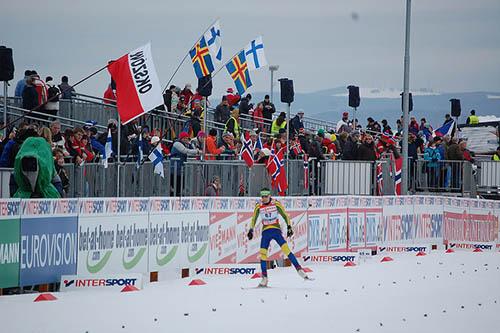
{"x":101,"y":282}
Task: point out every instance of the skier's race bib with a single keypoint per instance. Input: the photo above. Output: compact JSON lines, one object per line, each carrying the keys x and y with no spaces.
{"x":269,"y":214}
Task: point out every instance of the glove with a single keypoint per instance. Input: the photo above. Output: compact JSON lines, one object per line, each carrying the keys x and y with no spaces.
{"x":250,"y":234}
{"x":289,"y":231}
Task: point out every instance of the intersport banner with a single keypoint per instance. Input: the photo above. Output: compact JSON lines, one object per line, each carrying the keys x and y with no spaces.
{"x":398,"y":220}
{"x":455,"y":219}
{"x":428,"y":220}
{"x":113,"y":236}
{"x":49,"y":242}
{"x":9,"y":242}
{"x":138,"y":89}
{"x":179,"y":233}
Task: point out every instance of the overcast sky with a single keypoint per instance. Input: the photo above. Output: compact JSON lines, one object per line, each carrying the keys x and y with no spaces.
{"x":455,"y":44}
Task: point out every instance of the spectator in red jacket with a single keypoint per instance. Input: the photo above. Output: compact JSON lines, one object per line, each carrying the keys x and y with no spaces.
{"x":232,"y":98}
{"x":258,"y":117}
{"x":86,"y":148}
{"x":187,"y":93}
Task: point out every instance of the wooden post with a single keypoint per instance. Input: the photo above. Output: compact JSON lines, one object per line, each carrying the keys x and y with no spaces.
{"x":153,"y":277}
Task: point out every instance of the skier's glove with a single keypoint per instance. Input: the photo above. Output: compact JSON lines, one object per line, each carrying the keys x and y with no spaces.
{"x":289,"y":232}
{"x":250,"y":234}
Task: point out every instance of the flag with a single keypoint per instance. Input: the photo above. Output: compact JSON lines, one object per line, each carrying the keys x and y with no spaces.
{"x":380,"y":179}
{"x":214,"y":41}
{"x":238,"y":69}
{"x":427,"y":133}
{"x":258,"y":145}
{"x":306,"y":171}
{"x":108,"y":148}
{"x":138,"y":89}
{"x":446,"y":129}
{"x":296,"y":148}
{"x":276,"y":169}
{"x":398,"y":164}
{"x":246,"y":153}
{"x":140,"y":153}
{"x":201,"y":59}
{"x":254,"y":53}
{"x":156,"y":157}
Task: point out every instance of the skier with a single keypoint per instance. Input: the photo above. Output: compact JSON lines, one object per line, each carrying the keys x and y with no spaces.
{"x":269,"y":209}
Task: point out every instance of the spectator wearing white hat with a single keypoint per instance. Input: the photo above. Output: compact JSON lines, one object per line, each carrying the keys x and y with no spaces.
{"x":296,"y":123}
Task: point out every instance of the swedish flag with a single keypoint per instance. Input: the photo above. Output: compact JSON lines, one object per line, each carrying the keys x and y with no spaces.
{"x":238,"y":69}
{"x":201,"y":59}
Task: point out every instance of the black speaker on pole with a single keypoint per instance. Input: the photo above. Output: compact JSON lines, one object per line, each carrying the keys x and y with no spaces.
{"x":410,"y":106}
{"x":456,"y":109}
{"x":354,"y":96}
{"x":205,"y":85}
{"x":6,"y":64}
{"x":286,"y":88}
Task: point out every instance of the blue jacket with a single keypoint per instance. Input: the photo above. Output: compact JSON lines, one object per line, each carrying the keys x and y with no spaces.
{"x":4,"y":159}
{"x":96,"y":145}
{"x":432,"y":156}
{"x":179,"y":154}
{"x":20,"y":87}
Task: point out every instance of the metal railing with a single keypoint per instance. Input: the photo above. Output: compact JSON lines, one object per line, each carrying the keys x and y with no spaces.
{"x":347,"y":177}
{"x":443,"y":176}
{"x":488,"y":177}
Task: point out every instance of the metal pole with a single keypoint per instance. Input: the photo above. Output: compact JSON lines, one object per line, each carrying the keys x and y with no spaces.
{"x":205,"y":116}
{"x":5,"y":109}
{"x":119,"y":155}
{"x":272,"y":68}
{"x":406,"y":102}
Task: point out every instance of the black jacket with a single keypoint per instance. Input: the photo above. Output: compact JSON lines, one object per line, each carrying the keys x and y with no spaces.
{"x":30,"y":98}
{"x":268,"y":109}
{"x":244,"y":106}
{"x":350,"y":151}
{"x":366,"y":152}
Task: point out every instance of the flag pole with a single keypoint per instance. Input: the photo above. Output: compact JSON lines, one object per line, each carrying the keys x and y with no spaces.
{"x":119,"y":152}
{"x":187,"y":53}
{"x":205,"y":116}
{"x":221,"y":67}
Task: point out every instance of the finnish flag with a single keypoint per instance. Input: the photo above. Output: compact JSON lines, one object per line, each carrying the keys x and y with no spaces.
{"x":156,"y":157}
{"x":214,"y":41}
{"x":254,"y":53}
{"x":108,"y":149}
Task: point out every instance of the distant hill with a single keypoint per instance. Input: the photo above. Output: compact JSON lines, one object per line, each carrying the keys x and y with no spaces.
{"x":386,"y":104}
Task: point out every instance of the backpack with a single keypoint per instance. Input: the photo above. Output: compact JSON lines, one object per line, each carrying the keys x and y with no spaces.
{"x":53,"y":91}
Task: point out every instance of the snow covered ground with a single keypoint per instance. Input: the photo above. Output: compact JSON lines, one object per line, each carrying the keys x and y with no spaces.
{"x":458,"y":292}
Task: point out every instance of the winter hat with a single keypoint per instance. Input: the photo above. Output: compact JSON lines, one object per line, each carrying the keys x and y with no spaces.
{"x":183,"y":135}
{"x":230,"y":90}
{"x":202,"y":134}
{"x":345,"y":114}
{"x":266,"y":151}
{"x":155,"y":139}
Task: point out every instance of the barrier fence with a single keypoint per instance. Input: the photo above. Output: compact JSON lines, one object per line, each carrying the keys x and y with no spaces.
{"x":40,"y":240}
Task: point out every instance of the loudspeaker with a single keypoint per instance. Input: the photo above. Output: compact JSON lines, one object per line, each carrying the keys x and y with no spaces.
{"x":6,"y":64}
{"x":286,"y":87}
{"x":410,"y":108}
{"x":205,"y":85}
{"x":354,"y":96}
{"x":456,"y":109}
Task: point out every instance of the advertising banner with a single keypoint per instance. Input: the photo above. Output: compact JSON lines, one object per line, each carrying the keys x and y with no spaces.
{"x":428,"y":220}
{"x":455,"y":217}
{"x":298,"y":242}
{"x":9,"y":242}
{"x":398,"y":221}
{"x":113,"y":236}
{"x":178,"y":238}
{"x":365,"y":217}
{"x":329,"y":258}
{"x":247,"y":251}
{"x":226,"y":270}
{"x":483,"y":222}
{"x":104,"y":282}
{"x":404,"y":249}
{"x":49,"y":241}
{"x":222,"y":233}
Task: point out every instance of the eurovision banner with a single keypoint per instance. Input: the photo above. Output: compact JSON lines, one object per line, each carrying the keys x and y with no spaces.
{"x":49,"y":242}
{"x":138,"y":89}
{"x":113,"y":236}
{"x":9,"y":242}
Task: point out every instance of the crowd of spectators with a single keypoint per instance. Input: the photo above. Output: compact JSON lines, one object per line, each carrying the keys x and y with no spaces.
{"x":235,"y":116}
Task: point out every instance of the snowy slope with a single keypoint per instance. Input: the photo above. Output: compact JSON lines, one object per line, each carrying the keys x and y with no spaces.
{"x":410,"y":294}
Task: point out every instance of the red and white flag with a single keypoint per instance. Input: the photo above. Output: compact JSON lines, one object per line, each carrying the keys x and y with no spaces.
{"x":276,"y":169}
{"x":246,"y":152}
{"x":138,"y":89}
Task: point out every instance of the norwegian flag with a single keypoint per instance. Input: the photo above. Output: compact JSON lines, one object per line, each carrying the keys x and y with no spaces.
{"x":258,"y":144}
{"x":296,"y":148}
{"x":306,"y":171}
{"x":276,"y":169}
{"x":246,"y":152}
{"x":380,"y":179}
{"x":398,"y":164}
